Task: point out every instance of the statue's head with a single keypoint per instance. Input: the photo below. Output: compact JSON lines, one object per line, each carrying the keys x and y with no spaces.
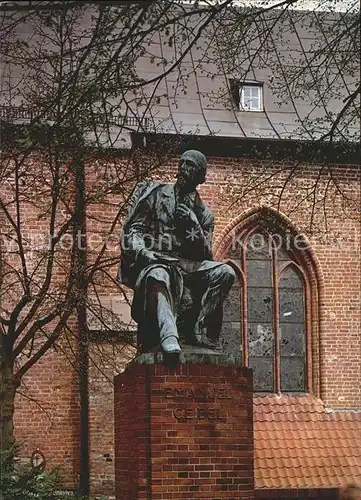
{"x":192,"y":170}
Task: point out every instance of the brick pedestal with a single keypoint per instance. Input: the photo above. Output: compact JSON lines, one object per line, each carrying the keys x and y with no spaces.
{"x":184,"y":433}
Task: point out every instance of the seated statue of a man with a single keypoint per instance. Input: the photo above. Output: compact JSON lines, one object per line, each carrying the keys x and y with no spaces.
{"x":166,"y":258}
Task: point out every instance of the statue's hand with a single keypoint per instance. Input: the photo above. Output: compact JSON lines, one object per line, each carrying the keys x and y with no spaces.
{"x":150,"y":257}
{"x":186,"y":215}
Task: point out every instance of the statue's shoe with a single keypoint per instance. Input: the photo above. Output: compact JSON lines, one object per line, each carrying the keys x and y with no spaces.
{"x":204,"y":341}
{"x":170,"y":345}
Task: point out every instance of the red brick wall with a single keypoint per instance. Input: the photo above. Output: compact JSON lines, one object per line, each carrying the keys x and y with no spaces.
{"x":47,"y":414}
{"x":106,"y":359}
{"x":335,"y":238}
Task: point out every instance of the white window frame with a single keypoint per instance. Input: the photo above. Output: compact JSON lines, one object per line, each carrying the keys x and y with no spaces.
{"x":251,"y":97}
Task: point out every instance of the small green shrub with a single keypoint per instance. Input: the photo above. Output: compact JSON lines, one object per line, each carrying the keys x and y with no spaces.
{"x":22,"y":482}
{"x":68,"y":495}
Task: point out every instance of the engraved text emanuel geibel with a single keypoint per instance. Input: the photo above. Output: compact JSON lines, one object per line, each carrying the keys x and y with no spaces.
{"x":200,"y":395}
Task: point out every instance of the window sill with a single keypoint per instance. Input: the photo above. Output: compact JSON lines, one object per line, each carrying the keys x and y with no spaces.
{"x":251,"y":110}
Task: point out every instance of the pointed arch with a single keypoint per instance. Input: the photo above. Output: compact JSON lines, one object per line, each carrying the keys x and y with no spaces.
{"x":290,"y":253}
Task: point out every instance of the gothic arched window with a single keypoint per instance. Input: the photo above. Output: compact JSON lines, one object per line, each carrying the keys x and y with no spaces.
{"x":268,"y":305}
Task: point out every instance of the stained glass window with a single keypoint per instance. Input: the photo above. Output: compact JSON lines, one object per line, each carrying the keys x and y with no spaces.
{"x":272,"y":314}
{"x":292,"y":331}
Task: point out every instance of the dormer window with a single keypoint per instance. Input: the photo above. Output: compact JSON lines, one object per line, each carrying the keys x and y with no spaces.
{"x":251,"y":98}
{"x":247,"y":96}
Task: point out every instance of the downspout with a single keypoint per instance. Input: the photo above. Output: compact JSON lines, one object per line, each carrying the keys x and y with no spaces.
{"x":83,"y":340}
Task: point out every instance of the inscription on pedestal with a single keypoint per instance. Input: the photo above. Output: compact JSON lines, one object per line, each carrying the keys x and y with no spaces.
{"x":194,"y":414}
{"x":202,"y":395}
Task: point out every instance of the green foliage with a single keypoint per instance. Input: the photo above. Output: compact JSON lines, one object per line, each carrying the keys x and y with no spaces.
{"x":22,"y":482}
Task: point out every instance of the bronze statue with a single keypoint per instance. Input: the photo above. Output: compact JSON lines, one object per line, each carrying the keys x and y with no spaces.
{"x":166,"y":258}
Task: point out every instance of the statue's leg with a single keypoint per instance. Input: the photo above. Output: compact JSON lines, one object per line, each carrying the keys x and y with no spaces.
{"x":216,"y":283}
{"x":160,"y":310}
{"x":187,"y":312}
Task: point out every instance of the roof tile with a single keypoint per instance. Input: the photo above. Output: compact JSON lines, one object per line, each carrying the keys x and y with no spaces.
{"x":301,"y":444}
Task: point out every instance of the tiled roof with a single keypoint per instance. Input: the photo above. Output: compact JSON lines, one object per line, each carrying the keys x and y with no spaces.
{"x":301,"y":444}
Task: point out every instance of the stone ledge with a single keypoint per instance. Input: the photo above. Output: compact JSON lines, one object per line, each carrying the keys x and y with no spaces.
{"x":190,"y":354}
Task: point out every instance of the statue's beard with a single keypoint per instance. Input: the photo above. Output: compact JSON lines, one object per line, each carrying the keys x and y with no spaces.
{"x":188,"y":183}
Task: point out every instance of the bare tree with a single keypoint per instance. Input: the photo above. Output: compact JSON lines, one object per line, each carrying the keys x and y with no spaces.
{"x":70,"y":74}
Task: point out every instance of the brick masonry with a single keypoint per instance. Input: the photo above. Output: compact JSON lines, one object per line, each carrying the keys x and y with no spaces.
{"x":185,"y":433}
{"x":47,"y":415}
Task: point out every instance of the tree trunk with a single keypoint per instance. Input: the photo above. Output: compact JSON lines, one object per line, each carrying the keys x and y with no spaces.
{"x":8,"y":386}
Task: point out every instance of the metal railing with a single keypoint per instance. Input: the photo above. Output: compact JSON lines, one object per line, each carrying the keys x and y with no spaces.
{"x":10,"y":113}
{"x":142,"y":122}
